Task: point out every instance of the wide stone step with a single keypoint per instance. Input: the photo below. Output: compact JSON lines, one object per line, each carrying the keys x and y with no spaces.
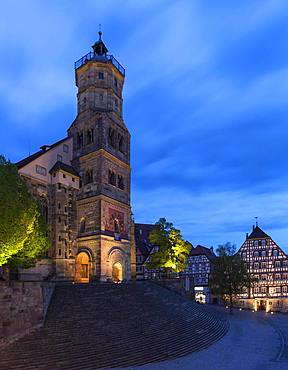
{"x":108,"y":325}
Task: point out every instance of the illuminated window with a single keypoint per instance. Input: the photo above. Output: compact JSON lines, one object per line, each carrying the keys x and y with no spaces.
{"x":263,"y":265}
{"x":263,"y":289}
{"x":256,"y":290}
{"x":285,"y":276}
{"x":278,"y":289}
{"x":264,"y":277}
{"x":284,"y":289}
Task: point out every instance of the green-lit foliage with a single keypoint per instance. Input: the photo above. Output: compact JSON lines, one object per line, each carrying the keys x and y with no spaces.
{"x":23,"y":233}
{"x":229,"y":274}
{"x":173,"y":250}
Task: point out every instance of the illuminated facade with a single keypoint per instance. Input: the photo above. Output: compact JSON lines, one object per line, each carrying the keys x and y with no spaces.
{"x":268,"y":268}
{"x":83,"y":181}
{"x":199,"y":268}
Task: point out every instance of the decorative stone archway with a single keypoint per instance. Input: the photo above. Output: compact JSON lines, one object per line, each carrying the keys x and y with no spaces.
{"x":82,"y":267}
{"x":117,"y":272}
{"x":116,"y":265}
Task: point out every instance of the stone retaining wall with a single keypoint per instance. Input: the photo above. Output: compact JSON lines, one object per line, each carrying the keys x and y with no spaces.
{"x":23,"y":307}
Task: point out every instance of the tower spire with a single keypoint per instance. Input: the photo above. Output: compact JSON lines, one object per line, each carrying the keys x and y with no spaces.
{"x":256,"y":218}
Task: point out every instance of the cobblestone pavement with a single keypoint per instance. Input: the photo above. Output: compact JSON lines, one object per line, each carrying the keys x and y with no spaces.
{"x":255,"y":341}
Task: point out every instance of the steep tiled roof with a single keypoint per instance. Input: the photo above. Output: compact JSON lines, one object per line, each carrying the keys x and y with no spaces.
{"x":36,"y":155}
{"x":64,"y":167}
{"x":257,"y":233}
{"x":202,"y":250}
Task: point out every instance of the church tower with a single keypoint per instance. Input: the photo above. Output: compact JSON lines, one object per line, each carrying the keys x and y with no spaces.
{"x":101,"y":155}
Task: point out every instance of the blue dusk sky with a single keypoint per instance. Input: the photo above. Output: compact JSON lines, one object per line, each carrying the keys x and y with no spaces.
{"x":205,"y":100}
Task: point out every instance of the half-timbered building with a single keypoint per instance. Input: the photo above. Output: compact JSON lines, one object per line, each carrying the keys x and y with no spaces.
{"x":267,"y":264}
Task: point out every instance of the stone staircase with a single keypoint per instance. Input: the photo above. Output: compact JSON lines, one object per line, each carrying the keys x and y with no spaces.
{"x":114,"y":325}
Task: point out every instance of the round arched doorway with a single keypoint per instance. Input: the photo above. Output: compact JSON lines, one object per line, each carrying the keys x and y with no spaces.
{"x":82,"y":268}
{"x":117,"y":272}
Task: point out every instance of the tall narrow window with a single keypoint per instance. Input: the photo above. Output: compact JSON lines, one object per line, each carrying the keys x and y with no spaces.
{"x":80,"y":140}
{"x":120,"y":182}
{"x":111,"y":137}
{"x":111,"y":178}
{"x":121,"y":144}
{"x":88,"y":176}
{"x":82,"y":226}
{"x":101,"y":75}
{"x":90,"y":136}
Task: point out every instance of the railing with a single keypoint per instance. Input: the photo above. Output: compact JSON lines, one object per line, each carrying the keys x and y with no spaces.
{"x":99,"y":58}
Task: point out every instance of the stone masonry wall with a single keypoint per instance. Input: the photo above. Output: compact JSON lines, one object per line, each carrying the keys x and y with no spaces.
{"x":23,"y":307}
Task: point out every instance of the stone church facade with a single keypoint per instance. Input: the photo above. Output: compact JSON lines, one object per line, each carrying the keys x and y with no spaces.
{"x":83,"y":181}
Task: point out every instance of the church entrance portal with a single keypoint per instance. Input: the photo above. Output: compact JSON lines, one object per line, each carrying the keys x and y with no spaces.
{"x":82,"y":268}
{"x":117,"y":272}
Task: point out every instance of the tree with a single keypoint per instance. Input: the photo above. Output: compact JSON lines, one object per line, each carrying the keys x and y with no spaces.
{"x":173,"y":250}
{"x":229,"y":274}
{"x":23,"y":232}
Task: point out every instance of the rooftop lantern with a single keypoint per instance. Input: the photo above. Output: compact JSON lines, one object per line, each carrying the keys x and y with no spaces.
{"x":99,"y":46}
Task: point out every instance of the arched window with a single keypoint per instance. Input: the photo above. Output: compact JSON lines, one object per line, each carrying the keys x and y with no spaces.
{"x":90,"y":136}
{"x":121,"y":144}
{"x":88,"y":176}
{"x":256,"y":254}
{"x":79,"y":140}
{"x":112,"y":178}
{"x":82,"y":226}
{"x":120,"y":182}
{"x":263,"y":253}
{"x":243,"y":255}
{"x":111,"y":137}
{"x":275,"y":253}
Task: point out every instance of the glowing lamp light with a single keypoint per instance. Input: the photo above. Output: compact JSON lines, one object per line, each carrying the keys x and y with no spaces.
{"x":240,"y":309}
{"x":226,"y":307}
{"x":272,"y":313}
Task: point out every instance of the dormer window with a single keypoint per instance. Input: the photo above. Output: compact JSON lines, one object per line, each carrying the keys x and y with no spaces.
{"x":100,"y":75}
{"x":41,"y":170}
